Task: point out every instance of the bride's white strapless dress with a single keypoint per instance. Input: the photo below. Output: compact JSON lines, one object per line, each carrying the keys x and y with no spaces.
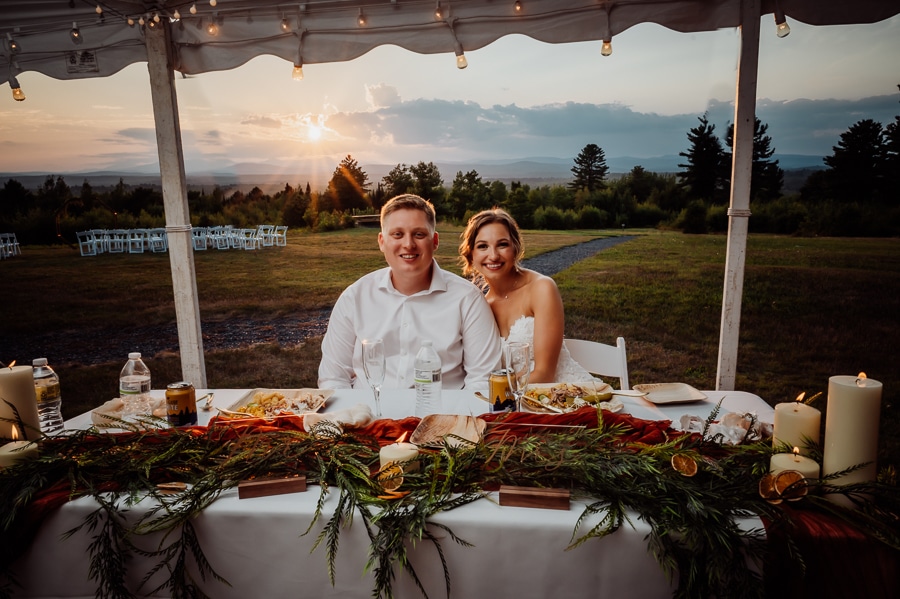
{"x":567,"y":369}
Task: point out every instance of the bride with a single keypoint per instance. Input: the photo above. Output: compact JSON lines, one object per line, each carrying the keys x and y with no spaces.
{"x":526,"y":304}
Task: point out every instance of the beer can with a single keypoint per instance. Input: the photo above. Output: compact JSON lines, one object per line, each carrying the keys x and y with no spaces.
{"x":502,"y":399}
{"x":181,"y":404}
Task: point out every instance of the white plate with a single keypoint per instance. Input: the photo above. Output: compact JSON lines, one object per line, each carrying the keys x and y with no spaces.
{"x":299,"y":401}
{"x":531,"y":403}
{"x":660,"y":393}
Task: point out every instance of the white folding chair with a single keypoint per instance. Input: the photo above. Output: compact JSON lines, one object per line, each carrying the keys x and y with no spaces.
{"x":266,"y":235}
{"x":86,"y":243}
{"x":118,"y":241}
{"x":199,"y":238}
{"x":601,"y":359}
{"x":281,"y":235}
{"x":247,"y":239}
{"x":157,"y":240}
{"x":136,"y":240}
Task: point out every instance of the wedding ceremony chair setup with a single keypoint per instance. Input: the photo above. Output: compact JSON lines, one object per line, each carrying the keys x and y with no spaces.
{"x":9,"y":246}
{"x":138,"y":241}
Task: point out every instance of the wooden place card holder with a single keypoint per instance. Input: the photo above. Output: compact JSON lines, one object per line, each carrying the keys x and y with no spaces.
{"x":271,"y":486}
{"x":551,"y":499}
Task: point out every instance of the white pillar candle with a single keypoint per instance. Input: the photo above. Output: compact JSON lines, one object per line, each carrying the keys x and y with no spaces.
{"x":17,"y":388}
{"x":809,"y":468}
{"x":851,"y":429}
{"x":399,"y":452}
{"x":794,"y":422}
{"x":17,"y":451}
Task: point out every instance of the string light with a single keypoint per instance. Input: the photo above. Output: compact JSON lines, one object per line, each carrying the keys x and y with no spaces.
{"x":212,"y":2}
{"x":517,"y":6}
{"x":606,"y":48}
{"x":193,"y":9}
{"x":285,"y":24}
{"x":17,"y":93}
{"x":782,"y":29}
{"x":156,"y":17}
{"x":438,"y":13}
{"x":99,"y":10}
{"x":12,"y":44}
{"x":151,"y":24}
{"x":213,"y":27}
{"x":141,"y":21}
{"x":176,"y":15}
{"x":130,"y":22}
{"x":361,"y":19}
{"x":75,"y":34}
{"x":461,"y":61}
{"x":297,"y":75}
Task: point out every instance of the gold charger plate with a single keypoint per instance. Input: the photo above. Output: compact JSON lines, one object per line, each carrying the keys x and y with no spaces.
{"x":277,"y":402}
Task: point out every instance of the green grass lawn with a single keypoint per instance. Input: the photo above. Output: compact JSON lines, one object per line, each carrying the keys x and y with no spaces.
{"x":811,"y":308}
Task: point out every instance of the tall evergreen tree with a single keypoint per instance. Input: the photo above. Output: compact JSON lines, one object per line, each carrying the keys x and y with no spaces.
{"x":702,"y":177}
{"x":590,"y":169}
{"x":855,"y":168}
{"x":398,"y":180}
{"x":767,"y":178}
{"x":347,"y":189}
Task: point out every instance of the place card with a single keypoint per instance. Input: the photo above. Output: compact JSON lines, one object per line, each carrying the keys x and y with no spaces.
{"x":551,"y":499}
{"x":274,"y":486}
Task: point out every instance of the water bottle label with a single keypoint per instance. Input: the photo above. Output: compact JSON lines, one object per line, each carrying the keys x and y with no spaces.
{"x":47,"y":393}
{"x":428,"y":376}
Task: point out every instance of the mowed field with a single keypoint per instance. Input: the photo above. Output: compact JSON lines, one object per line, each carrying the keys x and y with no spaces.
{"x":811,"y":308}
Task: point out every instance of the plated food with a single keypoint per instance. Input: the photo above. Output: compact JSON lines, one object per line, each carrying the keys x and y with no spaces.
{"x":567,"y":397}
{"x":270,"y":403}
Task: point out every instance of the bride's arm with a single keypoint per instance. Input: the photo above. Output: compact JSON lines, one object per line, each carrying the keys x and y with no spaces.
{"x":549,"y":326}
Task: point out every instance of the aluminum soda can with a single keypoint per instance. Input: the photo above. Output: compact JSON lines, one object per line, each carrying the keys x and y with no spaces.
{"x":181,"y":404}
{"x":502,"y":399}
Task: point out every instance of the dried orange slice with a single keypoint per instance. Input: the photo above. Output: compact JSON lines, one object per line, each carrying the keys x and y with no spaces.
{"x":790,"y":485}
{"x":684,"y":464}
{"x":390,"y":477}
{"x":767,"y":489}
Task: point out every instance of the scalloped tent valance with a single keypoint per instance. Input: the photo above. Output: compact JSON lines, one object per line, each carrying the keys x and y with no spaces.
{"x":37,"y":35}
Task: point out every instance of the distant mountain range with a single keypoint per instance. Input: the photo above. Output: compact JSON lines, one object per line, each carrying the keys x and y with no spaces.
{"x":533,"y":171}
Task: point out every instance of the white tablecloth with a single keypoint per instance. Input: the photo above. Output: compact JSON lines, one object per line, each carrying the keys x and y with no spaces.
{"x":258,"y":544}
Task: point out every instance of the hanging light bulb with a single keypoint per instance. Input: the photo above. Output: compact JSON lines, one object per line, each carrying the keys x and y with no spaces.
{"x":176,"y":15}
{"x":156,"y":17}
{"x":606,"y":48}
{"x":130,"y":22}
{"x":285,"y":24}
{"x":297,"y":75}
{"x":13,"y":44}
{"x":212,"y":2}
{"x":361,"y":19}
{"x":782,"y":29}
{"x":75,"y":34}
{"x":517,"y":6}
{"x":99,"y":10}
{"x":438,"y":12}
{"x":141,"y":21}
{"x":193,"y":8}
{"x":151,"y":24}
{"x":461,"y":61}
{"x":18,"y":94}
{"x":213,"y":27}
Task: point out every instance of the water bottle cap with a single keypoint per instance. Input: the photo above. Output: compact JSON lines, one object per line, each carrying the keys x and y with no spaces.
{"x":39,"y":362}
{"x":135,"y":355}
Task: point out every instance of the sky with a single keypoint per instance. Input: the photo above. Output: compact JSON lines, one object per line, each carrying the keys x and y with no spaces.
{"x":518,"y":98}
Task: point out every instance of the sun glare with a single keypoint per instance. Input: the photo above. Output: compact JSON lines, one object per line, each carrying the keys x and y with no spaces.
{"x":314,"y":132}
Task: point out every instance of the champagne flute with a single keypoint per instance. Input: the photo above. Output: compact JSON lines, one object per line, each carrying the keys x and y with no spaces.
{"x":517,"y":356}
{"x":373,"y":365}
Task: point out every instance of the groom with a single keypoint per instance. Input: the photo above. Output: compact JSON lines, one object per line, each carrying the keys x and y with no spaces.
{"x":410,"y":300}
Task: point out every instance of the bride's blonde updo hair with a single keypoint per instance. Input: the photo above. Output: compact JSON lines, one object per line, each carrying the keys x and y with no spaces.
{"x":488,"y":217}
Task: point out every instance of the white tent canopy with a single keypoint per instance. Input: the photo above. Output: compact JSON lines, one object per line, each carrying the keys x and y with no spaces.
{"x":70,"y":39}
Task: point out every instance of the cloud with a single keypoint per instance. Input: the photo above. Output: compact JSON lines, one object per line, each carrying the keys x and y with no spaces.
{"x":382,"y":95}
{"x":143,"y":134}
{"x":262,"y":121}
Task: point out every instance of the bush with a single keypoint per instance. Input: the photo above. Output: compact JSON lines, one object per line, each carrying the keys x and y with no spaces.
{"x":647,"y":215}
{"x":784,"y":216}
{"x":590,"y":217}
{"x":693,"y":218}
{"x":717,"y":219}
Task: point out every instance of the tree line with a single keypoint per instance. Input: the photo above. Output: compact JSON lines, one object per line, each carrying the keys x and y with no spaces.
{"x":856,"y":194}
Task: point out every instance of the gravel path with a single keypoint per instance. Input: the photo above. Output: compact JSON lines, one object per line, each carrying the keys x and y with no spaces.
{"x":110,"y":345}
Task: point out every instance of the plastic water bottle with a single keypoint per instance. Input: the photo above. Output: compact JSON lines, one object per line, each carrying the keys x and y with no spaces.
{"x":134,"y":384}
{"x":49,"y":399}
{"x":428,"y":381}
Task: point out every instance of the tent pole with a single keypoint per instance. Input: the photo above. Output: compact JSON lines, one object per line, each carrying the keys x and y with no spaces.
{"x":739,"y":209}
{"x":174,"y":188}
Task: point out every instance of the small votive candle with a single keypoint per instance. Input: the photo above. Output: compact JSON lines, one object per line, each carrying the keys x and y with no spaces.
{"x":17,"y":451}
{"x":404,"y":453}
{"x":808,"y":467}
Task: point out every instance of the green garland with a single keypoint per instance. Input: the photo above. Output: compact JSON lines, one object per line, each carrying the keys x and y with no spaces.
{"x":692,"y":518}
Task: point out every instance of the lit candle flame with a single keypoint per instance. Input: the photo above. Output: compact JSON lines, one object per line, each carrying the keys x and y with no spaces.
{"x":801,"y":396}
{"x":861,"y":379}
{"x":14,"y":435}
{"x":402,"y":437}
{"x":11,"y":364}
{"x":796,"y":454}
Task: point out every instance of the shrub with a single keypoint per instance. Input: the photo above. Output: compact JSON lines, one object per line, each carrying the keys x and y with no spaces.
{"x":693,"y":218}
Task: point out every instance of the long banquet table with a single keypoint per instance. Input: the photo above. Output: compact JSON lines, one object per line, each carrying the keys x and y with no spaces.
{"x":258,"y":544}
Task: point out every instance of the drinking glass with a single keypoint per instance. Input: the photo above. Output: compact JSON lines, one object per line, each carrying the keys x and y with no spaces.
{"x":373,"y":365}
{"x":517,"y":359}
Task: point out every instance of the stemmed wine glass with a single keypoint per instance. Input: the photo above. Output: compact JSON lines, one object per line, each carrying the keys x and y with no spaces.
{"x":373,"y":365}
{"x":517,"y":358}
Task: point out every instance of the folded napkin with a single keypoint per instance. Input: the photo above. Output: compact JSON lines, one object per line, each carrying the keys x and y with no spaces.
{"x":111,"y":413}
{"x":358,"y":416}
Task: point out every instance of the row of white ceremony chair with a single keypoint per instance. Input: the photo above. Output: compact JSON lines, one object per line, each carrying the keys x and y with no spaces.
{"x":138,"y":241}
{"x":9,"y":246}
